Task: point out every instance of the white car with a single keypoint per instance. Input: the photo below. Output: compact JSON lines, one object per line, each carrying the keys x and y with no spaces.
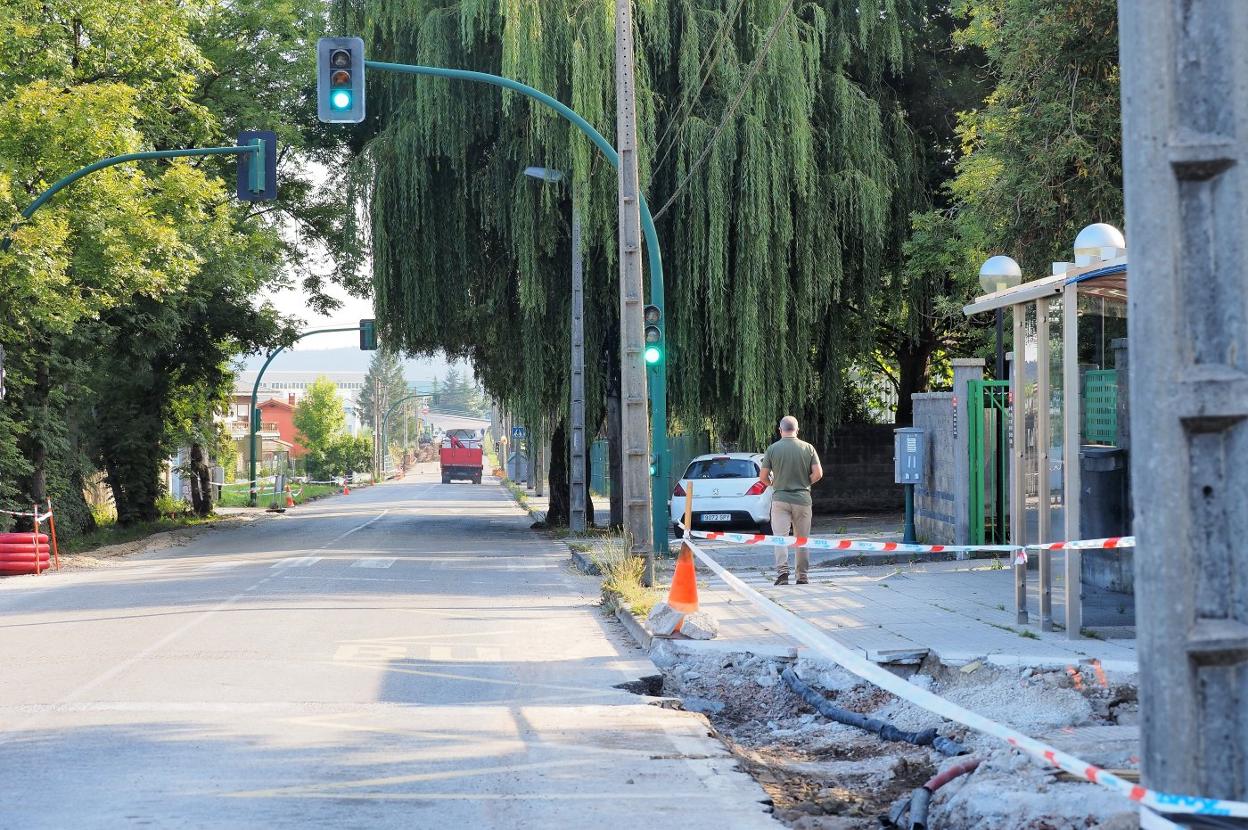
{"x":726,"y":493}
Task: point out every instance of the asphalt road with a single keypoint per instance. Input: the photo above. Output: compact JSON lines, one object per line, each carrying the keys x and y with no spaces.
{"x":410,"y":655}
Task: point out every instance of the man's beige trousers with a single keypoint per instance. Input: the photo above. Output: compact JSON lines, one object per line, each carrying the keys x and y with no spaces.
{"x":791,"y":520}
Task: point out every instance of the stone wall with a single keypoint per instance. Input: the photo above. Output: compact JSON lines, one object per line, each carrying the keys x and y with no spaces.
{"x":936,"y":500}
{"x":858,"y":471}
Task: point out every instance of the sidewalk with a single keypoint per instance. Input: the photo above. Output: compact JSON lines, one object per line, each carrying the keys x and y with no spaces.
{"x":956,"y":610}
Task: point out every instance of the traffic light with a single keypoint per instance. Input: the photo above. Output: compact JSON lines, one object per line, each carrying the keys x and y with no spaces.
{"x":340,"y":80}
{"x":654,"y":334}
{"x":257,"y":171}
{"x":368,"y":335}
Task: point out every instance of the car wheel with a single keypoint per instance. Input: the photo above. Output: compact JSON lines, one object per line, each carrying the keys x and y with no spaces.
{"x":678,"y":530}
{"x":446,"y":480}
{"x":765,"y":528}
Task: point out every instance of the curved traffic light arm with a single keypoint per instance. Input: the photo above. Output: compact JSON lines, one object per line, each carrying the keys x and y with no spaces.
{"x":254,"y":422}
{"x":257,"y":149}
{"x":658,"y":370}
{"x":385,"y":420}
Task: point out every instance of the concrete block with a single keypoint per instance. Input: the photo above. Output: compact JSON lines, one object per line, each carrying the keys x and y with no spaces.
{"x":700,"y":626}
{"x":663,"y":620}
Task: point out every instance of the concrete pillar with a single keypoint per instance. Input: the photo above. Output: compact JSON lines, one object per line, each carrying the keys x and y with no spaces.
{"x":964,"y":371}
{"x":1185,"y":128}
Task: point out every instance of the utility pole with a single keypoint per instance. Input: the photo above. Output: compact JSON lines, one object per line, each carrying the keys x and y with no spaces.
{"x":576,"y":475}
{"x":1185,"y":145}
{"x":632,"y":327}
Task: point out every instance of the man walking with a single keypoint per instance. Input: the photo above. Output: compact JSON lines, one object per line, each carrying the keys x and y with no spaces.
{"x":790,"y":466}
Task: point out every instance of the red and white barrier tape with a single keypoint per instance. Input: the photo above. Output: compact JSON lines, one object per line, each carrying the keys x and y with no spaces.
{"x":843,"y":544}
{"x":1088,"y":544}
{"x":864,"y":668}
{"x":39,"y":517}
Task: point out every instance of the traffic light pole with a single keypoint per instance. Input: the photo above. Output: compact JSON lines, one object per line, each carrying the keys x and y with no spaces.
{"x":657,"y":373}
{"x":257,"y":149}
{"x":254,"y":422}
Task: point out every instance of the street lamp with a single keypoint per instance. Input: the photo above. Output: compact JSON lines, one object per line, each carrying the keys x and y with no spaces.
{"x":577,"y":522}
{"x":997,"y":274}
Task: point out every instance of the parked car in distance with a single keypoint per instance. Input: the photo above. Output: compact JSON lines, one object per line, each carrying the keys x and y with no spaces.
{"x":726,"y":493}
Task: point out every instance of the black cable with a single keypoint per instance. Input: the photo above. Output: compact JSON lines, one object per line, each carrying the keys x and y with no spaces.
{"x":886,"y":731}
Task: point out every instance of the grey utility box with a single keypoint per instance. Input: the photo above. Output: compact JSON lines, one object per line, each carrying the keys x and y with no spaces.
{"x":909,"y":455}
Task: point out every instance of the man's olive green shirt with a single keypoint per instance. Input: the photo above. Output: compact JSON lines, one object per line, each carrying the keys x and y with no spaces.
{"x":790,"y":460}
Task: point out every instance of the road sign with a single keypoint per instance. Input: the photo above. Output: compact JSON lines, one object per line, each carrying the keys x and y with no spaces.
{"x":519,"y":432}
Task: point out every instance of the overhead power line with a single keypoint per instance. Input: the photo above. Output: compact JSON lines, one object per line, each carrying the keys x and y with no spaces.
{"x":732,"y":108}
{"x":687,"y":101}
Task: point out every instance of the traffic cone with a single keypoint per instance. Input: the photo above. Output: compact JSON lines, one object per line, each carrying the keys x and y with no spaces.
{"x":346,"y":491}
{"x":683,"y":596}
{"x":290,"y":500}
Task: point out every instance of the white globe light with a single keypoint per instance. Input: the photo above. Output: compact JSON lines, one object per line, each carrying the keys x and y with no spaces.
{"x":1094,"y":239}
{"x":999,"y":273}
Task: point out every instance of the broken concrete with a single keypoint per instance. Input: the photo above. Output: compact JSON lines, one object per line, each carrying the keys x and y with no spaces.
{"x":663,"y":620}
{"x":699,"y":626}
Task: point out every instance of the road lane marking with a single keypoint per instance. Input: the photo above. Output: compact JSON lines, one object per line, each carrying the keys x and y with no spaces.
{"x":354,"y":529}
{"x":296,"y":562}
{"x":372,"y":563}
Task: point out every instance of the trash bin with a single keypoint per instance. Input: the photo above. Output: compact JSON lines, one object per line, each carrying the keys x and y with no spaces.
{"x":1103,"y":510}
{"x":1108,"y":576}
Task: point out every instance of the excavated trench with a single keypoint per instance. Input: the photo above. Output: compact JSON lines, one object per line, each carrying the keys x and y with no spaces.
{"x":823,"y":775}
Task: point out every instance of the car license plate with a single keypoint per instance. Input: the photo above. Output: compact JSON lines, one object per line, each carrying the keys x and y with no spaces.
{"x":716,"y":517}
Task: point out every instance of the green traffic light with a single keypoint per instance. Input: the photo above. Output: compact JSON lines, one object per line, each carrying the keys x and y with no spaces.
{"x":653,"y":355}
{"x":340,"y":99}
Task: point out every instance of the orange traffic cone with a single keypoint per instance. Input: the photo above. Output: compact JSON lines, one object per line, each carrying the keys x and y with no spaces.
{"x":290,"y":500}
{"x":683,"y":596}
{"x":346,"y":491}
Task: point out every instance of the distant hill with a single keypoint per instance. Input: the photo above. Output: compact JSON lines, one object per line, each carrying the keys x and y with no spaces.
{"x":351,"y":360}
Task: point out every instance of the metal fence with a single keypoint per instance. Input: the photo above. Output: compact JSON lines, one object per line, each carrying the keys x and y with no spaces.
{"x":681,"y":449}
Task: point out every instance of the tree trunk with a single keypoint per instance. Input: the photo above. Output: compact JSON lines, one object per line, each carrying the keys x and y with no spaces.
{"x":39,"y":446}
{"x":912,"y":363}
{"x":560,"y":508}
{"x":201,"y":482}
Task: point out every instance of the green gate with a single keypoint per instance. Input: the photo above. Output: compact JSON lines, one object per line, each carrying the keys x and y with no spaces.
{"x":988,"y":408}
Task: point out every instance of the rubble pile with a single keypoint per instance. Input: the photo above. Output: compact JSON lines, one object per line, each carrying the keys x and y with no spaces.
{"x":823,"y":775}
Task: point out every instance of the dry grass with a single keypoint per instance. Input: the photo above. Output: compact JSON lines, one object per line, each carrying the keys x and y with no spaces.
{"x":621,"y":578}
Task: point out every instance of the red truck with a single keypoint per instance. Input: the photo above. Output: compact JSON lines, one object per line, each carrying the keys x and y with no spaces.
{"x":461,"y":456}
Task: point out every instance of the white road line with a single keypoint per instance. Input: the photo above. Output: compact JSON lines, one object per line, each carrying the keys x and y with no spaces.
{"x":372,"y":562}
{"x":354,"y":529}
{"x":296,"y":562}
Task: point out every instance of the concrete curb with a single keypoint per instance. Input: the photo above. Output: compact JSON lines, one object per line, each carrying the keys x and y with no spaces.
{"x":585,"y":565}
{"x":634,"y":628}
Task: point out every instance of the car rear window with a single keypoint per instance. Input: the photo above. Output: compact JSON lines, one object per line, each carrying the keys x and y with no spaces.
{"x":722,"y":468}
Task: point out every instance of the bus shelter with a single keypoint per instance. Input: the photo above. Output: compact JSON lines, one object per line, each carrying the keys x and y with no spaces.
{"x":1068,"y":433}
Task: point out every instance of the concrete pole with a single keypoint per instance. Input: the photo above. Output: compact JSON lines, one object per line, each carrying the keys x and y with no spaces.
{"x":576,"y":475}
{"x":1185,"y":128}
{"x":635,"y":414}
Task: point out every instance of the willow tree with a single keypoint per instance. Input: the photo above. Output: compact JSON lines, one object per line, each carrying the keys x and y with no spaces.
{"x":764,"y":124}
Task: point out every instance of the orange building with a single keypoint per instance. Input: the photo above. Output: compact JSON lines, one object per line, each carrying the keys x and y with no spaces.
{"x":282,"y":413}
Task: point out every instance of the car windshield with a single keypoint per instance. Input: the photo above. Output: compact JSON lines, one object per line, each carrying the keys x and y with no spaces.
{"x":722,"y":468}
